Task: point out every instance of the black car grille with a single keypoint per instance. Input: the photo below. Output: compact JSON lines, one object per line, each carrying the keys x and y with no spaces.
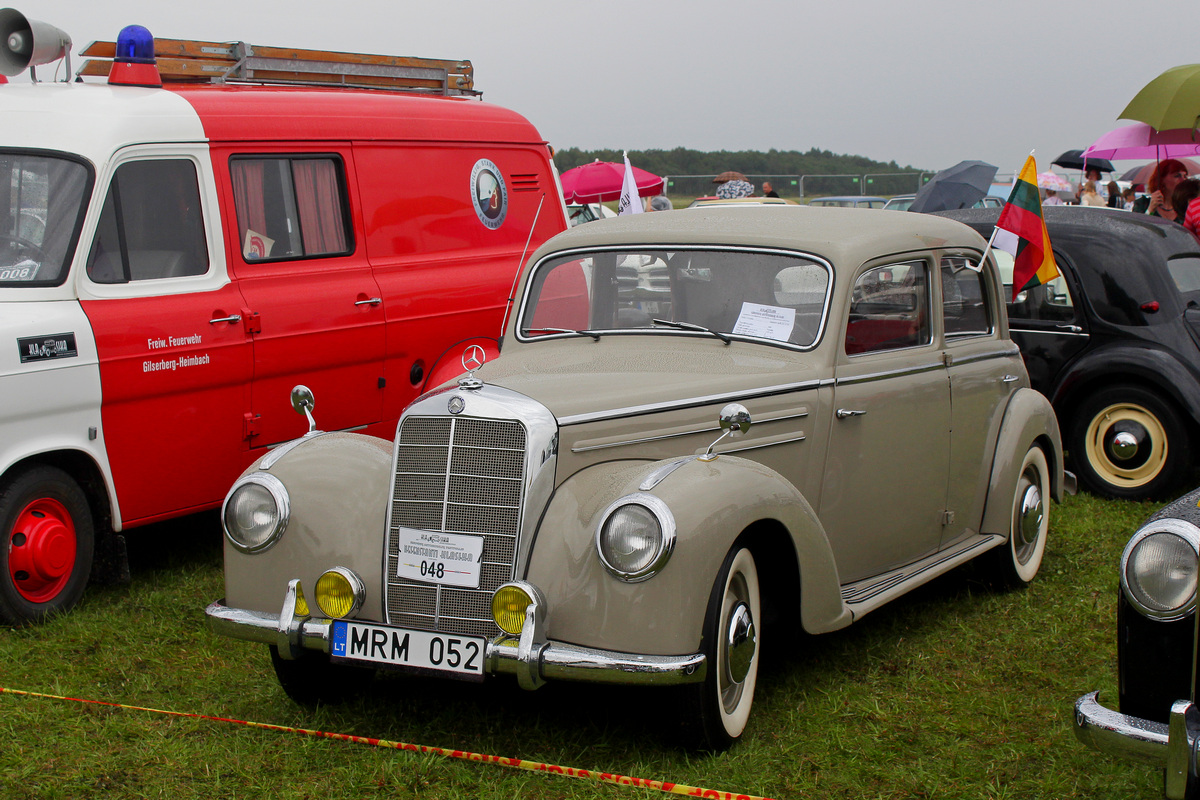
{"x":458,"y":476}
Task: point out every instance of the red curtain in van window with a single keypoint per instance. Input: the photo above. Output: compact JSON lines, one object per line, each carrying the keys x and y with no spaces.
{"x":319,"y":203}
{"x":248,"y":197}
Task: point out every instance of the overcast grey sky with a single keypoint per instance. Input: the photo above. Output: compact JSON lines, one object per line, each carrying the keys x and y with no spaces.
{"x":922,"y":83}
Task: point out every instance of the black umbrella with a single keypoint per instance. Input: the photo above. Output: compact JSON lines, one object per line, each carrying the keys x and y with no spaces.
{"x":960,"y":186}
{"x":1073,"y":159}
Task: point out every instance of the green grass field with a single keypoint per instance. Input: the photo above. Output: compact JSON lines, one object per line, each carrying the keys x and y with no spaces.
{"x":956,"y":691}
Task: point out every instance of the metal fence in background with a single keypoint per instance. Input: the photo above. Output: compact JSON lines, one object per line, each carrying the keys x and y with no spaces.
{"x":800,"y":186}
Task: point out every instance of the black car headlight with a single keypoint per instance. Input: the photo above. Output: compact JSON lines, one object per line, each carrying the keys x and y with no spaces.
{"x":255,"y":512}
{"x":1159,"y":568}
{"x":635,"y":537}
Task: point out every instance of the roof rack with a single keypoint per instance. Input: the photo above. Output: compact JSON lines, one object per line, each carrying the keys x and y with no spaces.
{"x":184,"y":61}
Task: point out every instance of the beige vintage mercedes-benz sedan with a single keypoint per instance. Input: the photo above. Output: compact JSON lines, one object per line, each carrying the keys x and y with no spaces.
{"x":707,"y":428}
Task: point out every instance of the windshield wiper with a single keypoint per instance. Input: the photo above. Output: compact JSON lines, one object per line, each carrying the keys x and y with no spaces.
{"x":691,"y":326}
{"x":594,"y":334}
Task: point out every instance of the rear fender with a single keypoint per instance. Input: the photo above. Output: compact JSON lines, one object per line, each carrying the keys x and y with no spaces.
{"x":712,"y":503}
{"x":1028,"y":420}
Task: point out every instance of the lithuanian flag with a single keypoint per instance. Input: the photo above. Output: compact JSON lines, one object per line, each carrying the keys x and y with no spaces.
{"x":1021,"y":232}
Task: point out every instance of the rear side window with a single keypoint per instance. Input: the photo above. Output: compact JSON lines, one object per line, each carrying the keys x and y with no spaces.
{"x":151,"y":226}
{"x":965,"y":299}
{"x":291,"y":207}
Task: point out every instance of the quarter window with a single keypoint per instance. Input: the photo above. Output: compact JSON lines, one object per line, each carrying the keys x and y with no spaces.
{"x":151,"y":225}
{"x":1051,"y":301}
{"x":965,"y":301}
{"x":889,"y":309}
{"x":291,"y":208}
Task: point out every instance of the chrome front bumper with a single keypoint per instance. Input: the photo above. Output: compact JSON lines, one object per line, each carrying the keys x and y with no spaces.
{"x":1171,"y":746}
{"x":531,"y":657}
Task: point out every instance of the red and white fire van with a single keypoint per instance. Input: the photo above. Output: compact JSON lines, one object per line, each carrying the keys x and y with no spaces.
{"x":184,"y":240}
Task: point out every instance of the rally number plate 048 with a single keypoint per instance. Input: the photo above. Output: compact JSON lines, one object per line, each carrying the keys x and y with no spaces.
{"x":448,"y":655}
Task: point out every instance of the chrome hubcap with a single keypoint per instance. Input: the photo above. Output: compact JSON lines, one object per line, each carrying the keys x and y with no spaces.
{"x":1031,"y":515}
{"x":740,"y":643}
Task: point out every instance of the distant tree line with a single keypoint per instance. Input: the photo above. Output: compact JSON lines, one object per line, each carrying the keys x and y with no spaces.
{"x":682,"y":161}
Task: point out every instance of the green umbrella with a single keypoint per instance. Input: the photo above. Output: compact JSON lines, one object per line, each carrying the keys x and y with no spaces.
{"x":1172,"y":100}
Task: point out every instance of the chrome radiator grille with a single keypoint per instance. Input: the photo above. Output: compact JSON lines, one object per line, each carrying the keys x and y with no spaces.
{"x":457,"y":475}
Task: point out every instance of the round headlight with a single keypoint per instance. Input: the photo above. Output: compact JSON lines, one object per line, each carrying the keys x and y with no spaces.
{"x":1159,"y":569}
{"x":256,"y":512}
{"x":340,"y":593}
{"x":636,"y":537}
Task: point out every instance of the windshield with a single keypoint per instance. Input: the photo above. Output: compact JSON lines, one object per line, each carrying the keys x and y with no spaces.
{"x":779,"y":297}
{"x":41,"y":210}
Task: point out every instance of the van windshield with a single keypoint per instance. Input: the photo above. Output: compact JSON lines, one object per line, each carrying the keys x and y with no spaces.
{"x":730,"y":294}
{"x":41,"y":210}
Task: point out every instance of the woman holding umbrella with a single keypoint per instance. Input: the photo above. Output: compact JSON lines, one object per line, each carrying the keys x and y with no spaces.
{"x":1161,"y":186}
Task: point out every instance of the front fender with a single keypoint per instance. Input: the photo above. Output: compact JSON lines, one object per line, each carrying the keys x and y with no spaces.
{"x":1152,"y":365}
{"x":712,"y":503}
{"x":1029,"y":419}
{"x":339,"y":486}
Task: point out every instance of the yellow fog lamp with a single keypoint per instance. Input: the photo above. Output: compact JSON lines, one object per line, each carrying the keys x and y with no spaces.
{"x":508,"y":606}
{"x":340,"y":593}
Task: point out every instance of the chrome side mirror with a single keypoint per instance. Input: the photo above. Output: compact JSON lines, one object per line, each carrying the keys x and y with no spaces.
{"x":735,"y":420}
{"x":303,"y":402}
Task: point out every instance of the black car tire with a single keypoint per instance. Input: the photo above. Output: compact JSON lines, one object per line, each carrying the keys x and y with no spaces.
{"x":312,"y":679}
{"x":715,"y":710}
{"x":1147,"y":460}
{"x":1016,"y":562}
{"x":49,"y":542}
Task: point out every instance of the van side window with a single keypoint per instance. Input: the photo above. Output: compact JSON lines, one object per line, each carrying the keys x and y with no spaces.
{"x":151,"y":225}
{"x":290,"y":208}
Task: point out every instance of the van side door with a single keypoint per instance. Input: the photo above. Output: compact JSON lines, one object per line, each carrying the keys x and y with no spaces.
{"x":315,"y":310}
{"x":175,"y":357}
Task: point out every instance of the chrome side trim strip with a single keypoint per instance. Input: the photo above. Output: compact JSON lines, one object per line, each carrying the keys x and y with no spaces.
{"x":693,"y":402}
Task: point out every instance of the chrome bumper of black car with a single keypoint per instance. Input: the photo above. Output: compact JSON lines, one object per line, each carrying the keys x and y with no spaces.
{"x":532,"y":658}
{"x":1171,"y":746}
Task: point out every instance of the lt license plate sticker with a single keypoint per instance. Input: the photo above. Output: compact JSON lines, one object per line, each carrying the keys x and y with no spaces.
{"x":451,"y":559}
{"x":398,"y":647}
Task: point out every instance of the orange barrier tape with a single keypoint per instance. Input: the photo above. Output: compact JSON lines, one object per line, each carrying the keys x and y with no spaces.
{"x":517,"y":763}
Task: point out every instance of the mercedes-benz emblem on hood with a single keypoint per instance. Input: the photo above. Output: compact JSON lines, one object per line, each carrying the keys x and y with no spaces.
{"x":472,"y":359}
{"x":456,"y":405}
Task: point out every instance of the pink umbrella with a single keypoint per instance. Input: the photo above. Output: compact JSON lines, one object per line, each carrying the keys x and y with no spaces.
{"x":1143,"y":141}
{"x":600,"y":181}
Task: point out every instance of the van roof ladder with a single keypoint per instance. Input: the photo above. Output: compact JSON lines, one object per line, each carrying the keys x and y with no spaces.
{"x":185,"y":61}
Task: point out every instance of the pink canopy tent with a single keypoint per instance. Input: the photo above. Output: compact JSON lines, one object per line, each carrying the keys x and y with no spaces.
{"x":600,"y":181}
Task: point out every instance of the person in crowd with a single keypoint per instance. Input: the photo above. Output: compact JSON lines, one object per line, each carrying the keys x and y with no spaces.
{"x":659,"y":202}
{"x":1051,"y":198}
{"x":1127,"y":198}
{"x":1093,"y":174}
{"x":1114,"y":195}
{"x":1185,"y":192}
{"x":1161,"y":187}
{"x":1191,"y":217}
{"x":769,"y":190}
{"x":1088,"y":196}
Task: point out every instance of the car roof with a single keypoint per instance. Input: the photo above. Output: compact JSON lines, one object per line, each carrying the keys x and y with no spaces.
{"x":847,"y":197}
{"x":842,"y":235}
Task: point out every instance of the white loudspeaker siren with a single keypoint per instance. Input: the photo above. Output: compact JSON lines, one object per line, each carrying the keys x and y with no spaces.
{"x":27,"y":42}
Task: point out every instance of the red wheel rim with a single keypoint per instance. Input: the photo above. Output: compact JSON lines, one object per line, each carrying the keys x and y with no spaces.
{"x":41,"y":550}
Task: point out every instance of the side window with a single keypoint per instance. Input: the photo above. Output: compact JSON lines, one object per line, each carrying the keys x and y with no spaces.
{"x":151,"y":225}
{"x":291,"y":207}
{"x":965,"y":300}
{"x":889,"y":309}
{"x":1050,"y":302}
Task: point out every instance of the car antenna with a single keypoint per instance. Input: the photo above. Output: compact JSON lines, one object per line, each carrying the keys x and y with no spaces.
{"x":520,"y":265}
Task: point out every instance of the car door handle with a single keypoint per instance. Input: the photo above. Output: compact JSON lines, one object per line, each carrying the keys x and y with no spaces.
{"x":1069,"y":328}
{"x":230,"y":320}
{"x":842,"y":413}
{"x":1010,"y":378}
{"x":374,"y":301}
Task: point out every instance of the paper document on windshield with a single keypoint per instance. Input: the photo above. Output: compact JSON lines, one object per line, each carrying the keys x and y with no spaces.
{"x":765,"y":322}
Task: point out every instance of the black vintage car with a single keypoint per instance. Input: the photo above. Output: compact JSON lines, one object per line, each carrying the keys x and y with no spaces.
{"x":1158,"y":722}
{"x":1115,"y":344}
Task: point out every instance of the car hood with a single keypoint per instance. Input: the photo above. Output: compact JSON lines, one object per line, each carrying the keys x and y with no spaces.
{"x":578,"y":379}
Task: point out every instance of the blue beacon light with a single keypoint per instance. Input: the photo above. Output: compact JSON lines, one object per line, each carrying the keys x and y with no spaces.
{"x":134,"y":63}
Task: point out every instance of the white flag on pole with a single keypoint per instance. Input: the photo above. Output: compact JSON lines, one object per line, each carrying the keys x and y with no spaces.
{"x":629,"y":203}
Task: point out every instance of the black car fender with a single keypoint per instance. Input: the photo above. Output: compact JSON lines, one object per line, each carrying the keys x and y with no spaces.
{"x":1132,"y":362}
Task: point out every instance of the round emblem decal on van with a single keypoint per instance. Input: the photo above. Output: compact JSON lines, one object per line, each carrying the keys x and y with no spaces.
{"x":489,"y":194}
